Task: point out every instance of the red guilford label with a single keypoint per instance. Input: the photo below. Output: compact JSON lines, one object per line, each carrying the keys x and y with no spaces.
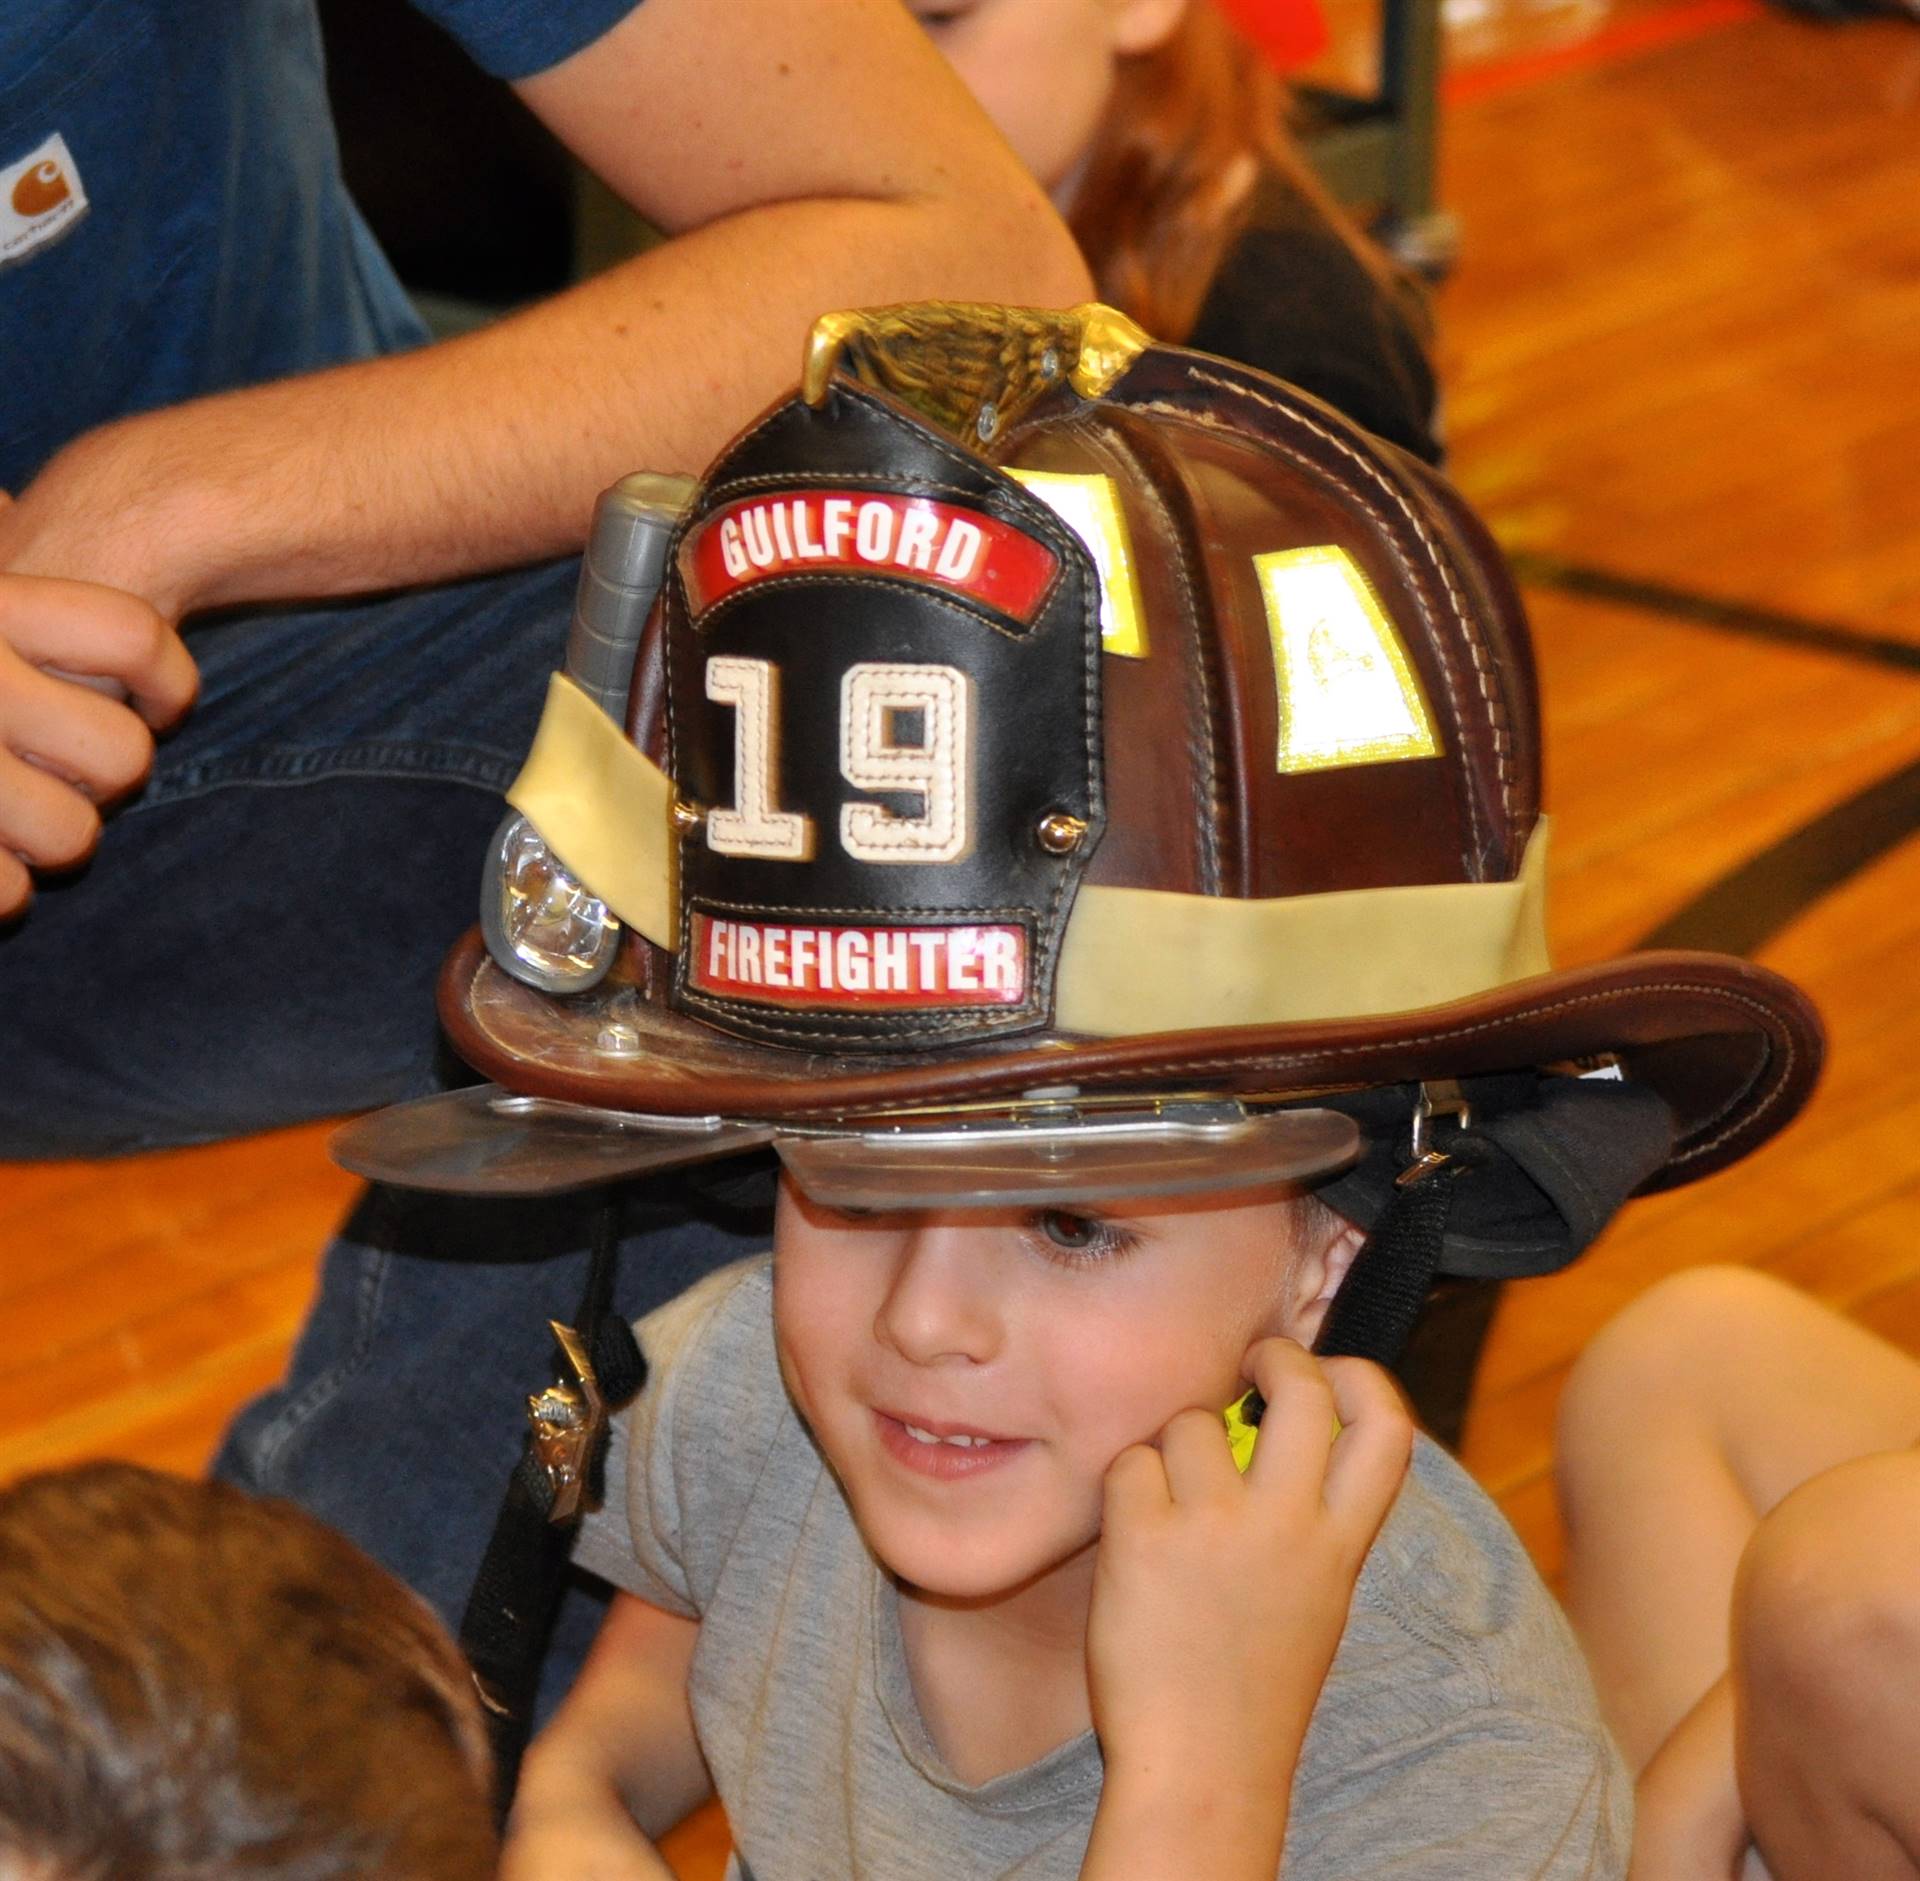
{"x":861,"y":532}
{"x":785,"y":964}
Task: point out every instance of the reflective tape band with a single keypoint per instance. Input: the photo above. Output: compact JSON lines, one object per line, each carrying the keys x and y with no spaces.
{"x":1140,"y":960}
{"x":603,"y":808}
{"x":1133,"y":960}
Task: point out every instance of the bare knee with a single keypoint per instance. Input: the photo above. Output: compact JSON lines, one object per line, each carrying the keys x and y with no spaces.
{"x":1827,"y":1602}
{"x":1826,"y":1647}
{"x":1654,"y":1363}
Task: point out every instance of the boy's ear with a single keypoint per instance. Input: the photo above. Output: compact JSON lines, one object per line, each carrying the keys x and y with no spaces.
{"x":1144,"y":25}
{"x":1317,"y":1277}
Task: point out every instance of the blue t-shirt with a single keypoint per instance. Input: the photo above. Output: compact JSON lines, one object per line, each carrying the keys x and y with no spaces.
{"x":172,"y":217}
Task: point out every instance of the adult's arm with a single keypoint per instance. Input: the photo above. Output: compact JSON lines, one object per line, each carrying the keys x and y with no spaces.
{"x":803,"y":154}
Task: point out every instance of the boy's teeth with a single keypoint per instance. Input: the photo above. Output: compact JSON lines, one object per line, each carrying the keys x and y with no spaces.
{"x":927,"y":1436}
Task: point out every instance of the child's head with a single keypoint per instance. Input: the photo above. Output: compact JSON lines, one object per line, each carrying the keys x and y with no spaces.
{"x":1064,"y":1334}
{"x":1045,"y":70}
{"x":194,"y":1682}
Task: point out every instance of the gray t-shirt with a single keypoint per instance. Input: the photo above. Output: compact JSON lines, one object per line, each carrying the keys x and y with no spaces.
{"x":1456,"y":1738}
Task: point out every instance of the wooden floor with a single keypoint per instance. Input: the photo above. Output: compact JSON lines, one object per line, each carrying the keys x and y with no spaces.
{"x":1683,"y":353}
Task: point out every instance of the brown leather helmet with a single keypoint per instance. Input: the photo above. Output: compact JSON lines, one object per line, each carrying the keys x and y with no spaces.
{"x":1034,"y":715}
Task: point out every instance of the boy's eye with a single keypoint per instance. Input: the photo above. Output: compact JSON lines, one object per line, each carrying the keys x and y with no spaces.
{"x":1088,"y":1236}
{"x":1064,"y":1229}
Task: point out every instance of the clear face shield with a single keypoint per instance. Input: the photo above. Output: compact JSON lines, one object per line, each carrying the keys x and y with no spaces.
{"x":1050,"y":1151}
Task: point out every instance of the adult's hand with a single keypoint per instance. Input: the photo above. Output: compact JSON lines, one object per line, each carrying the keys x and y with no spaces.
{"x":87,"y":675}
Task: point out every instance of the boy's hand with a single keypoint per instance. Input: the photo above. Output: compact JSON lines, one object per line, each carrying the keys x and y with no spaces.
{"x":1219,"y":1599}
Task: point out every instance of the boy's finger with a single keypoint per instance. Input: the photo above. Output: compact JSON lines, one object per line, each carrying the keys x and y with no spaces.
{"x":1197,"y":1458}
{"x":1291,"y":1453}
{"x":1135,"y":1486}
{"x":1371,"y":1454}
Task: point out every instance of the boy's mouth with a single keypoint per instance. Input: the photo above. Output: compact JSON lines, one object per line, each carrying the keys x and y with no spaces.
{"x":934,"y":1448}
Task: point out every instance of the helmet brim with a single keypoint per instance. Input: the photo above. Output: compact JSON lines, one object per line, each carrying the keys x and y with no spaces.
{"x":1732,"y":1049}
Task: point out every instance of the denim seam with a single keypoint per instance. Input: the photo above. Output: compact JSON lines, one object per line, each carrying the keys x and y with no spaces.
{"x":330,"y":1383}
{"x":386,"y":763}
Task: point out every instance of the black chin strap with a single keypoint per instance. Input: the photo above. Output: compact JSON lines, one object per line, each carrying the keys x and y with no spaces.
{"x":1373,"y":1314}
{"x":523,"y":1573}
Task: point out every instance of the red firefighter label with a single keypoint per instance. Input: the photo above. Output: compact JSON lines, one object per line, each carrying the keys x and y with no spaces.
{"x":789,"y":963}
{"x":812,"y":532}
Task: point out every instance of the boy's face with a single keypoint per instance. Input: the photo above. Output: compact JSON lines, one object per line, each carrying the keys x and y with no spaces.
{"x":1058,"y":1337}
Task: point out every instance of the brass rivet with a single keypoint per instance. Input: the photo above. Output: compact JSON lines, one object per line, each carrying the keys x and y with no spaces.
{"x":686,"y":817}
{"x":1061,"y":834}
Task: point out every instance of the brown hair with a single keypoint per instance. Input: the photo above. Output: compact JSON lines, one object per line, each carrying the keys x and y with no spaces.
{"x":1169,"y":180}
{"x":195,"y":1683}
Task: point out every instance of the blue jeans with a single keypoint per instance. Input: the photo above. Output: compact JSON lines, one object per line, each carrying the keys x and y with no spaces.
{"x":405,"y":1408}
{"x":256,"y":940}
{"x":256,"y":943}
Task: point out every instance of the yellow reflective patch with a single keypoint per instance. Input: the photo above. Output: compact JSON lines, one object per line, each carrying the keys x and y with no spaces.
{"x":604,"y":809}
{"x":1147,"y":960}
{"x":1088,"y":506}
{"x":1347,"y":692}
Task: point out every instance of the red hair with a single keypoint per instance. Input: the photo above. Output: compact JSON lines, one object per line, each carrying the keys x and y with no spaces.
{"x":1170,"y":177}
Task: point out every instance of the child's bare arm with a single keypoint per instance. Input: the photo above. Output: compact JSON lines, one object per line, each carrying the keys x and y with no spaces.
{"x":1218,"y":1604}
{"x":1688,"y":1821}
{"x":618,"y":1764}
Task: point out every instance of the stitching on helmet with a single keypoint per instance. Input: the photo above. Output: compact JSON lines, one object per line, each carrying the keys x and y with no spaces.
{"x":867,"y":832}
{"x":945,"y":447}
{"x":1476,"y":833}
{"x":1002,"y":505}
{"x":977,"y":612}
{"x":1788,"y":1055}
{"x":1482,"y":674}
{"x":754,"y":1017}
{"x":1003,"y":494}
{"x":1724,"y":995}
{"x":976,"y":916}
{"x":1197,"y":674}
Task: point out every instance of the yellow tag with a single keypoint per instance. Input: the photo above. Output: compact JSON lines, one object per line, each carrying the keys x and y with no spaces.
{"x":1347,"y":692}
{"x":1088,"y":506}
{"x":1240,"y":1434}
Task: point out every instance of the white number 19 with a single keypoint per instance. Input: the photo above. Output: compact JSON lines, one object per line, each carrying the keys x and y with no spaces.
{"x":937,"y":763}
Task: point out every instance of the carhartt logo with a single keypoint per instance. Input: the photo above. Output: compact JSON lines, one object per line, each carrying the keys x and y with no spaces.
{"x":43,"y":187}
{"x":41,"y":199}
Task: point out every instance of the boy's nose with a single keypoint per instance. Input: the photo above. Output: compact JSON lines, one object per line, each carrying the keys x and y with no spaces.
{"x":941,"y":1302}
